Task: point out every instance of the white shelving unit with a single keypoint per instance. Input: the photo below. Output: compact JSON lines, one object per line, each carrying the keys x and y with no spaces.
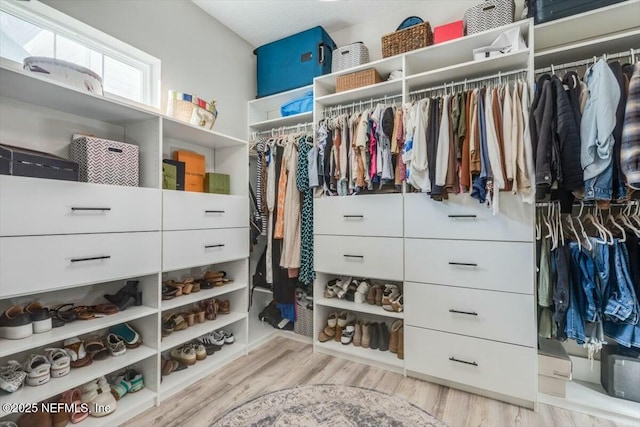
{"x":340,"y":304}
{"x":60,"y":111}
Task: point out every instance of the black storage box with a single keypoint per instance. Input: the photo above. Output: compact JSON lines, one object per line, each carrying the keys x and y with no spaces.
{"x":549,"y":10}
{"x":36,"y":164}
{"x":620,"y":372}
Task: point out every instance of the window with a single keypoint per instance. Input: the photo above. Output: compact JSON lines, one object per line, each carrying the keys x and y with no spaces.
{"x":34,"y":29}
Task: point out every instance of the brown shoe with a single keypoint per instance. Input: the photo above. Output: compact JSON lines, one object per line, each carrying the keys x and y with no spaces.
{"x":210,"y":308}
{"x":366,"y":335}
{"x":224,"y":307}
{"x":371,"y":297}
{"x":379,"y":294}
{"x":357,"y":336}
{"x":401,"y":342}
{"x":393,"y":341}
{"x":338,"y":336}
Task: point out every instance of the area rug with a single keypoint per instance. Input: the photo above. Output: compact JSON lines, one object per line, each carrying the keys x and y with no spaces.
{"x":327,"y":405}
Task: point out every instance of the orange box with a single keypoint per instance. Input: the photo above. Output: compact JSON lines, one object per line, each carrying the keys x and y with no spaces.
{"x":194,"y":170}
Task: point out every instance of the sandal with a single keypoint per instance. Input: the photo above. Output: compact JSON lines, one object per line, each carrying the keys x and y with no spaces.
{"x":96,"y":348}
{"x":175,"y":285}
{"x":72,"y":399}
{"x":189,"y":317}
{"x":85,"y":312}
{"x":224,"y":307}
{"x":63,"y":314}
{"x":199,"y":315}
{"x":398,"y":304}
{"x":168,"y":325}
{"x":38,"y":370}
{"x":179,"y":322}
{"x":168,"y":292}
{"x":210,"y":308}
{"x":75,"y":348}
{"x":187,"y":286}
{"x":106,"y":308}
{"x":168,"y":366}
{"x":196,"y":287}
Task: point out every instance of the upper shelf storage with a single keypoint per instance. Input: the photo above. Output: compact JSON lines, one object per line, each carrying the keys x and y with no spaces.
{"x":384,"y":67}
{"x":176,"y":129}
{"x":264,"y":113}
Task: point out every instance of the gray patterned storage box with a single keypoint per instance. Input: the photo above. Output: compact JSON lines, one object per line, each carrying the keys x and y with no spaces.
{"x":103,"y":161}
{"x":304,"y":321}
{"x":489,"y":14}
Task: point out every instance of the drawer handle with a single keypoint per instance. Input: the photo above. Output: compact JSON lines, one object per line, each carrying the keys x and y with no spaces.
{"x":560,"y":374}
{"x":212,"y":212}
{"x":353,"y":216}
{"x":453,"y":359}
{"x":463,"y":264}
{"x":94,"y":258}
{"x":463,"y":216}
{"x":219,"y":245}
{"x":354,"y":256}
{"x":468,"y":313}
{"x":90,"y":209}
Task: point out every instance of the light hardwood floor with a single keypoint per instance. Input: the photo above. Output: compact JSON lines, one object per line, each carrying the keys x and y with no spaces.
{"x":284,"y":363}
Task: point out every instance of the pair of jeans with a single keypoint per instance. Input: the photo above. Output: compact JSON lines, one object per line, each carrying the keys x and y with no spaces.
{"x":560,"y":274}
{"x":582,"y":303}
{"x":621,"y":302}
{"x":600,"y":187}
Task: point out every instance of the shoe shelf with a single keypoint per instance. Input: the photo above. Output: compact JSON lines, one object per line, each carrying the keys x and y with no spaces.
{"x":366,"y":355}
{"x":179,"y":380}
{"x":128,"y":407}
{"x":73,"y":329}
{"x":360,"y":308}
{"x":204,"y":294}
{"x":75,"y":378}
{"x":192,"y":332}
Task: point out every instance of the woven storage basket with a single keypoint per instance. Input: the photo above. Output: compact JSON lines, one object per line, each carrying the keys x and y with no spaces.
{"x":191,"y":109}
{"x":304,"y":321}
{"x":412,"y":38}
{"x":358,"y":79}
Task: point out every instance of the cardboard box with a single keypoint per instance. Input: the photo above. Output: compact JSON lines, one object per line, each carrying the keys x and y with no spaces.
{"x":552,"y":386}
{"x":553,"y":360}
{"x":194,"y":169}
{"x":450,"y":31}
{"x":179,"y":172}
{"x":217,"y":183}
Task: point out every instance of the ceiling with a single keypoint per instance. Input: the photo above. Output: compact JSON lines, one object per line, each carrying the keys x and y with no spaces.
{"x":263,"y":21}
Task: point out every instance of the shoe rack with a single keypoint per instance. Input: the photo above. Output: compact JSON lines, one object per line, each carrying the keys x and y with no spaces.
{"x":143,"y":233}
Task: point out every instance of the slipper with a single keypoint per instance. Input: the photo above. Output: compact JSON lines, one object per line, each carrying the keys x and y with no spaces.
{"x":85,"y":312}
{"x":75,"y":348}
{"x":168,"y":292}
{"x":59,"y":360}
{"x":72,"y":398}
{"x":96,"y":348}
{"x":131,"y":338}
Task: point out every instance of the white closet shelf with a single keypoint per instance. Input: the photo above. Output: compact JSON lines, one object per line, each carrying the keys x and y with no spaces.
{"x":360,"y":308}
{"x":274,"y":101}
{"x":192,"y":332}
{"x":27,"y":87}
{"x":176,"y":129}
{"x":128,"y":407}
{"x":332,"y":348}
{"x":457,"y":51}
{"x":73,"y":329}
{"x":393,"y":87}
{"x":384,"y":67}
{"x":177,"y":381}
{"x":504,"y":63}
{"x":611,"y":43}
{"x":282,"y":121}
{"x":76,"y":377}
{"x":202,"y":295}
{"x":589,"y":25}
{"x":591,"y":398}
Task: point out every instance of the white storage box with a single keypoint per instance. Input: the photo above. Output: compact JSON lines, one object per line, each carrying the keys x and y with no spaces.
{"x":65,"y":72}
{"x":552,"y":386}
{"x":553,"y":360}
{"x":349,"y":56}
{"x":103,"y":161}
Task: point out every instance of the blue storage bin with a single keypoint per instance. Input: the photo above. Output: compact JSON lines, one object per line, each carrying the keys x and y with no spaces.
{"x":299,"y":105}
{"x":294,"y":61}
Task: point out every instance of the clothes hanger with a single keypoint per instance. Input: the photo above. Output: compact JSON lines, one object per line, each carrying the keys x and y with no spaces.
{"x":611,"y":219}
{"x":623,"y":216}
{"x":538,"y":226}
{"x":583,"y":232}
{"x":602,"y":224}
{"x":571,"y":227}
{"x":589,"y":217}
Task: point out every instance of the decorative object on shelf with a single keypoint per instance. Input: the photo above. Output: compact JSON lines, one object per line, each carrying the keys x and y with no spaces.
{"x":349,"y":56}
{"x":19,"y":161}
{"x":302,"y":104}
{"x":194,"y":169}
{"x":550,"y":10}
{"x":403,"y":40}
{"x":169,"y":176}
{"x":179,"y":175}
{"x":103,"y":161}
{"x":507,"y":42}
{"x":293,"y":61}
{"x":65,"y":72}
{"x":358,"y":79}
{"x":191,"y":109}
{"x":451,"y":31}
{"x":489,"y":14}
{"x":217,"y":183}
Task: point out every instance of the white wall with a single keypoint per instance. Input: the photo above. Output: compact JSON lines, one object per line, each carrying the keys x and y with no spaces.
{"x":199,"y":55}
{"x":436,"y":12}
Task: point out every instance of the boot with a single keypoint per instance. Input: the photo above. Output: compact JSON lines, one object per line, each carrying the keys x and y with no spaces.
{"x":393,"y":340}
{"x":366,"y":335}
{"x":357,"y":336}
{"x":401,"y":342}
{"x":374,"y":331}
{"x":383,"y":339}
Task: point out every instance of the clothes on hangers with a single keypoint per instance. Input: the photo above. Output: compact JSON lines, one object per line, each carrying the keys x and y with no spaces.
{"x":630,"y":145}
{"x":307,"y":274}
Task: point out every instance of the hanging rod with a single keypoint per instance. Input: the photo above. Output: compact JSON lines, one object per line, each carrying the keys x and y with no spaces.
{"x":464,"y":82}
{"x":588,"y":204}
{"x":338,"y":108}
{"x":279,"y":130}
{"x":552,"y":68}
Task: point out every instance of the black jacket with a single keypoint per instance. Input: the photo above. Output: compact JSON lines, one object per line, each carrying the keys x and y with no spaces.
{"x":568,"y":135}
{"x":548,"y":167}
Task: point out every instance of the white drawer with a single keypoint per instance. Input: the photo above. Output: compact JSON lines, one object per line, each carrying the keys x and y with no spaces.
{"x":371,"y":215}
{"x":42,"y":263}
{"x":462,"y":217}
{"x":31,"y":206}
{"x":499,"y":316}
{"x":372,"y":257}
{"x":489,"y":365}
{"x":191,"y":248}
{"x":184,"y":210}
{"x":501,"y":266}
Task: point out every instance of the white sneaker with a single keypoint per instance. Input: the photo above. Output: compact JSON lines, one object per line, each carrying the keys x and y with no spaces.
{"x":38,"y":370}
{"x":214,"y":337}
{"x":12,"y":376}
{"x":60,"y":361}
{"x":228,"y":336}
{"x":347,"y":334}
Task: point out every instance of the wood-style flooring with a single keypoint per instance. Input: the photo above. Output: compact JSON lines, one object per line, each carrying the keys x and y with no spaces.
{"x":284,"y":363}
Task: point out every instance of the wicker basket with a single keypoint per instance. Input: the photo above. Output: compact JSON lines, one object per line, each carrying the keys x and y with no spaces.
{"x":191,"y":109}
{"x":358,"y":79}
{"x":412,"y":38}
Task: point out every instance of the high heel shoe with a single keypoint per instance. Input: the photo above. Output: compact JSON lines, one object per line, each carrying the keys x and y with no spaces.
{"x":127,"y":296}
